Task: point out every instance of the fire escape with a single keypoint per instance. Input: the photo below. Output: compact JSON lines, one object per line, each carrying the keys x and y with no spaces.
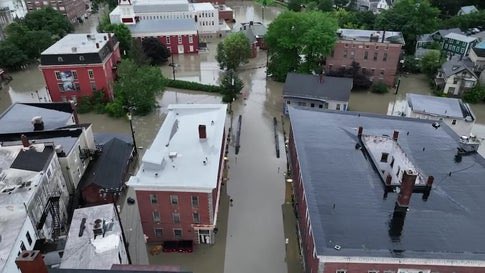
{"x":52,"y":207}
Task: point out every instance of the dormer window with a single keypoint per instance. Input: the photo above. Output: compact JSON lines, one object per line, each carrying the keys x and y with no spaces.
{"x":384,"y":157}
{"x":60,"y":59}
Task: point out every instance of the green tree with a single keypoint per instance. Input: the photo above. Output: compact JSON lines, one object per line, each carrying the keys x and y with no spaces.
{"x":466,"y":21}
{"x":137,"y":86}
{"x":475,"y":95}
{"x":347,"y":4}
{"x":137,"y":54}
{"x":325,"y":5}
{"x":155,"y":50}
{"x":234,"y":51}
{"x":49,"y":20}
{"x":231,"y":86}
{"x":264,"y":4}
{"x":11,"y":57}
{"x":431,"y":62}
{"x":295,"y":5}
{"x":299,"y":42}
{"x":122,"y":32}
{"x":412,"y":18}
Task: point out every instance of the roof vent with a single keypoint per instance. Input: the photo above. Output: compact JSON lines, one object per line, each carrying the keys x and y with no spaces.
{"x":337,"y":247}
{"x":172,"y":155}
{"x":74,"y":49}
{"x":98,"y":227}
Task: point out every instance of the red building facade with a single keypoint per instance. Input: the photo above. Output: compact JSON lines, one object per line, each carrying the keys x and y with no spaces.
{"x":179,"y":204}
{"x":179,"y":44}
{"x":79,"y":64}
{"x":378,"y":58}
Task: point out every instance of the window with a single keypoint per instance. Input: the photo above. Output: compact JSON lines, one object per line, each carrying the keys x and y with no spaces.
{"x":341,"y":271}
{"x":191,"y":39}
{"x":177,"y":232}
{"x":345,"y":53}
{"x":455,"y":80}
{"x":312,"y":105}
{"x":373,"y":70}
{"x":375,"y":56}
{"x":180,"y":39}
{"x":195,"y":198}
{"x":352,"y":54}
{"x":346,"y":45}
{"x":60,"y":59}
{"x":58,"y":75}
{"x":382,"y":72}
{"x":91,"y":74}
{"x":156,"y":216}
{"x":22,"y":246}
{"x":385,"y":57}
{"x":29,"y":239}
{"x":93,"y":86}
{"x":174,"y":199}
{"x":176,"y":217}
{"x":366,"y":55}
{"x":320,"y":106}
{"x":153,"y":198}
{"x":288,"y":102}
{"x":196,"y":217}
{"x":338,"y":106}
{"x":453,"y":122}
{"x":384,"y":157}
{"x":167,"y":40}
{"x":158,"y":232}
{"x":81,"y":58}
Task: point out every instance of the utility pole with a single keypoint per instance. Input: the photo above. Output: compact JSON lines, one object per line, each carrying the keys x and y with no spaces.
{"x":130,"y":118}
{"x":173,"y":65}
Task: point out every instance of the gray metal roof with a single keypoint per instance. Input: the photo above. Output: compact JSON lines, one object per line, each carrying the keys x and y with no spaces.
{"x":163,"y":26}
{"x":18,"y":117}
{"x":439,"y":106}
{"x":467,"y":10}
{"x":310,"y":86}
{"x":160,"y":6}
{"x":364,"y":35}
{"x":345,"y":194}
{"x":457,"y":64}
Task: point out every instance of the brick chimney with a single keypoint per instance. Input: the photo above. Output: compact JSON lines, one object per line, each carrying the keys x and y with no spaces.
{"x":407,"y":186}
{"x":401,"y":207}
{"x":38,"y":123}
{"x":25,"y":141}
{"x":395,"y":135}
{"x":429,"y":185}
{"x":31,"y":261}
{"x":74,"y":113}
{"x":202,"y":132}
{"x":360,"y":131}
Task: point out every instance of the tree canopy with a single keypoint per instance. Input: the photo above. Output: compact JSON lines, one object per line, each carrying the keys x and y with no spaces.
{"x":231,"y":86}
{"x":11,"y":57}
{"x":451,"y":7}
{"x":122,"y":32}
{"x":49,"y":20}
{"x":233,"y":51}
{"x":155,"y":50}
{"x":412,"y":18}
{"x":299,"y":42}
{"x":430,"y":63}
{"x":466,"y":21}
{"x":136,"y":86}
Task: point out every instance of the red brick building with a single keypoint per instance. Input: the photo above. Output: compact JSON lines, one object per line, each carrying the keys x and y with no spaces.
{"x":72,"y":9}
{"x":178,"y":184}
{"x":378,"y":200}
{"x":377,"y":52}
{"x":178,"y":35}
{"x":79,"y":64}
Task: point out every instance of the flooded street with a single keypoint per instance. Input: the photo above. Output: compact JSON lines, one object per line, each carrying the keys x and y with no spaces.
{"x":255,"y":239}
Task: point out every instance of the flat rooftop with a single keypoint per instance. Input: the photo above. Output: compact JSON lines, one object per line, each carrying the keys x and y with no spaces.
{"x":19,"y":172}
{"x":153,"y":6}
{"x":18,"y":117}
{"x":460,"y":37}
{"x":203,"y":6}
{"x":12,"y":218}
{"x":88,"y":252}
{"x":439,"y":106}
{"x":345,"y":194}
{"x":177,"y":158}
{"x":362,"y":35}
{"x":84,"y":43}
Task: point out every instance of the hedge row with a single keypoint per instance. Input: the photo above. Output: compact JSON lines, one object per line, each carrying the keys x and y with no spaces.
{"x":193,"y":86}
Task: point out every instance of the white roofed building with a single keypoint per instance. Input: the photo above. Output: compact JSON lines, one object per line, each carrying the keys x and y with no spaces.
{"x":178,"y":183}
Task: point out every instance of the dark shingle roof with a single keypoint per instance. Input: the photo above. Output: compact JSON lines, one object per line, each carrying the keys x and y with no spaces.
{"x":32,"y":160}
{"x":446,"y":107}
{"x":344,"y":193}
{"x":109,"y":168}
{"x":310,"y":86}
{"x":457,"y":64}
{"x":18,"y":117}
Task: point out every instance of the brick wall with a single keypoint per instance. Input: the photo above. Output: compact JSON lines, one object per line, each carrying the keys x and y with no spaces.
{"x":381,"y":268}
{"x":380,"y":62}
{"x":306,"y":234}
{"x":190,"y":43}
{"x":166,"y":209}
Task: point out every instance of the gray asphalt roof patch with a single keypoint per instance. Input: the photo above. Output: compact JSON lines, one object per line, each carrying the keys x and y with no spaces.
{"x":449,"y":107}
{"x":310,"y":86}
{"x":345,"y":194}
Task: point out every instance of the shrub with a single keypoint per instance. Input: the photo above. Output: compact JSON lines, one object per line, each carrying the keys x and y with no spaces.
{"x":193,"y":86}
{"x":475,"y":95}
{"x":379,"y":88}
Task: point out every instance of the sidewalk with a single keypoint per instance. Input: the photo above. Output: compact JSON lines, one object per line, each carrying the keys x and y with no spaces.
{"x":290,"y":225}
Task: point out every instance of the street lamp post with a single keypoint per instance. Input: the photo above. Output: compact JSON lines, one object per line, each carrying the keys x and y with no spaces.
{"x":130,"y":118}
{"x":173,"y":65}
